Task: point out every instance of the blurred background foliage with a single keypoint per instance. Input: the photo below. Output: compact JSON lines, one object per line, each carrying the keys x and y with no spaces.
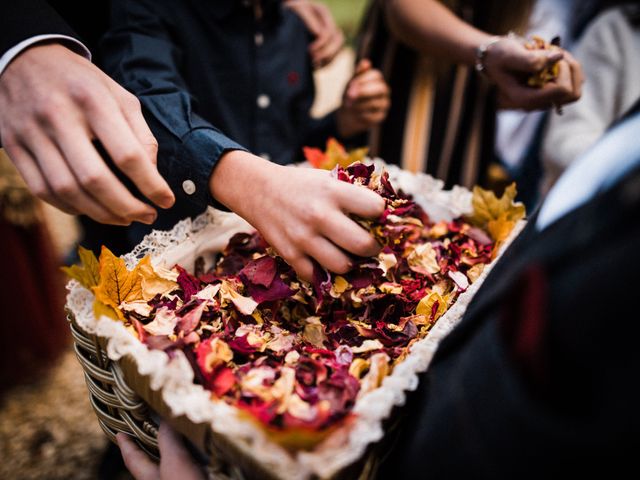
{"x":348,"y":14}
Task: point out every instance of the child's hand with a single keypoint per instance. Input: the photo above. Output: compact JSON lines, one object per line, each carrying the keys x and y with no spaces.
{"x":303,"y":213}
{"x":328,"y":38}
{"x":365,"y":102}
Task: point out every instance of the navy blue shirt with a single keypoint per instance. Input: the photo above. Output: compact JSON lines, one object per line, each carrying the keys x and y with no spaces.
{"x":213,"y":76}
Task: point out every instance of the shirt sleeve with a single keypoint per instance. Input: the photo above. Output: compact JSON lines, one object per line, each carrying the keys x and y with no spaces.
{"x":139,"y":53}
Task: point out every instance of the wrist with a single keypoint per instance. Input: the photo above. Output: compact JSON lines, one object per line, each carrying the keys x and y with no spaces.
{"x":481,"y":52}
{"x":237,"y":177}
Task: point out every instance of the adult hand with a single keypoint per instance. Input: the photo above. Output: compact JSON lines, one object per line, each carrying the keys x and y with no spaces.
{"x":303,"y":213}
{"x":329,"y":38}
{"x":508,"y":63}
{"x":53,"y":104}
{"x":175,"y":460}
{"x":365,"y":102}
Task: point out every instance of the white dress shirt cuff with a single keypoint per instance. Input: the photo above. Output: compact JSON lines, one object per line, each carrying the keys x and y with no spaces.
{"x":69,"y":42}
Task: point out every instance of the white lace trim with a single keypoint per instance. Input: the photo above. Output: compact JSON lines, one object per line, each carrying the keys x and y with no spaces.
{"x":209,"y":233}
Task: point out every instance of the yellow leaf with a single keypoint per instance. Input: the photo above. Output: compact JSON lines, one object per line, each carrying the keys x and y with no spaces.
{"x":340,"y":285}
{"x":496,"y":215}
{"x":102,"y":310}
{"x":88,"y":272}
{"x":355,"y":155}
{"x":423,"y":259}
{"x":432,"y":306}
{"x":500,"y":228}
{"x":117,"y":284}
{"x":334,"y":154}
{"x":358,"y":367}
{"x":152,"y":283}
{"x":228,"y":293}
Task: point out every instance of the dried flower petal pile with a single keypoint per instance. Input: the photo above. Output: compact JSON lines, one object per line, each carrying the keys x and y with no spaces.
{"x":550,"y":72}
{"x":295,"y":355}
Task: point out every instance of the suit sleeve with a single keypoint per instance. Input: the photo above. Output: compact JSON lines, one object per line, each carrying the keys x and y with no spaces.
{"x":24,"y":19}
{"x":138,"y":52}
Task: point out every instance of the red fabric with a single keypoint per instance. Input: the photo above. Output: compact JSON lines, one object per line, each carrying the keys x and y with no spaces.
{"x":33,"y":329}
{"x":525,"y":323}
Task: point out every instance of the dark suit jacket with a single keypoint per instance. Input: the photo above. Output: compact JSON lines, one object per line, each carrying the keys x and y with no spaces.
{"x":540,"y":378}
{"x":22,"y":19}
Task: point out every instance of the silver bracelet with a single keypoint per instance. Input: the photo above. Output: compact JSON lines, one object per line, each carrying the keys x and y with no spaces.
{"x":481,"y":52}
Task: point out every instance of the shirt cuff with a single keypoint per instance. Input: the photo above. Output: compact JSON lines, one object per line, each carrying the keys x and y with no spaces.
{"x":70,"y":42}
{"x":199,"y":153}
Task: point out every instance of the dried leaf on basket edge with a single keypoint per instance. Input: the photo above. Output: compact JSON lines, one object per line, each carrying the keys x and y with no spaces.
{"x":496,"y":215}
{"x":117,"y":284}
{"x":87,"y":273}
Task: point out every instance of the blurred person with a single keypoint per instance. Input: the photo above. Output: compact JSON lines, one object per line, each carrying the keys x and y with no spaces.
{"x":248,"y":87}
{"x":519,"y":132}
{"x":608,"y":49}
{"x":538,"y":375}
{"x":32,"y":324}
{"x":450,"y":65}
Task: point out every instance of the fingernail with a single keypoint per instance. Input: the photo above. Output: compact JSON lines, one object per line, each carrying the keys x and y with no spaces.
{"x":168,"y":201}
{"x":149,"y":218}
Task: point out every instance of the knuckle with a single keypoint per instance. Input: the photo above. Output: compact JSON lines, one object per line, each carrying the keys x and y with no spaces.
{"x":49,"y":109}
{"x":317,"y":213}
{"x":131,"y":103}
{"x":83,"y":93}
{"x":40,"y":191}
{"x":91,"y":180}
{"x":65,"y":189}
{"x":9,"y":138}
{"x":128,"y":158}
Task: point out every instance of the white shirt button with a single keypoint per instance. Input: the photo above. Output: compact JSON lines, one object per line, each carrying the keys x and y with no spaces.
{"x":266,"y":156}
{"x":258,"y":38}
{"x":189,"y":187}
{"x":263,"y":101}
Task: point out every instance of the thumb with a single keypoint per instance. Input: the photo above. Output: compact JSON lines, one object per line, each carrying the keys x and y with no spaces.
{"x":363,"y":66}
{"x":535,"y":60}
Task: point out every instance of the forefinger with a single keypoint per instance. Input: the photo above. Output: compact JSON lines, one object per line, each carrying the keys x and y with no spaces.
{"x":110,"y":126}
{"x":359,"y":200}
{"x":96,"y":178}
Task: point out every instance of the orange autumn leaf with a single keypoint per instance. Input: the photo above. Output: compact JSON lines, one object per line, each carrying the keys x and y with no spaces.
{"x":334,"y":154}
{"x":314,"y":156}
{"x":87,"y":273}
{"x":117,"y":284}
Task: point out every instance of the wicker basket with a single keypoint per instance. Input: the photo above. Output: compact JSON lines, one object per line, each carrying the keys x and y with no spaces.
{"x":117,"y":406}
{"x":120,"y":409}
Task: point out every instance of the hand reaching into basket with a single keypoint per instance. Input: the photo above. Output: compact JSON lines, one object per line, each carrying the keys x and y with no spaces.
{"x":303,"y":213}
{"x":53,"y":104}
{"x":175,"y":460}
